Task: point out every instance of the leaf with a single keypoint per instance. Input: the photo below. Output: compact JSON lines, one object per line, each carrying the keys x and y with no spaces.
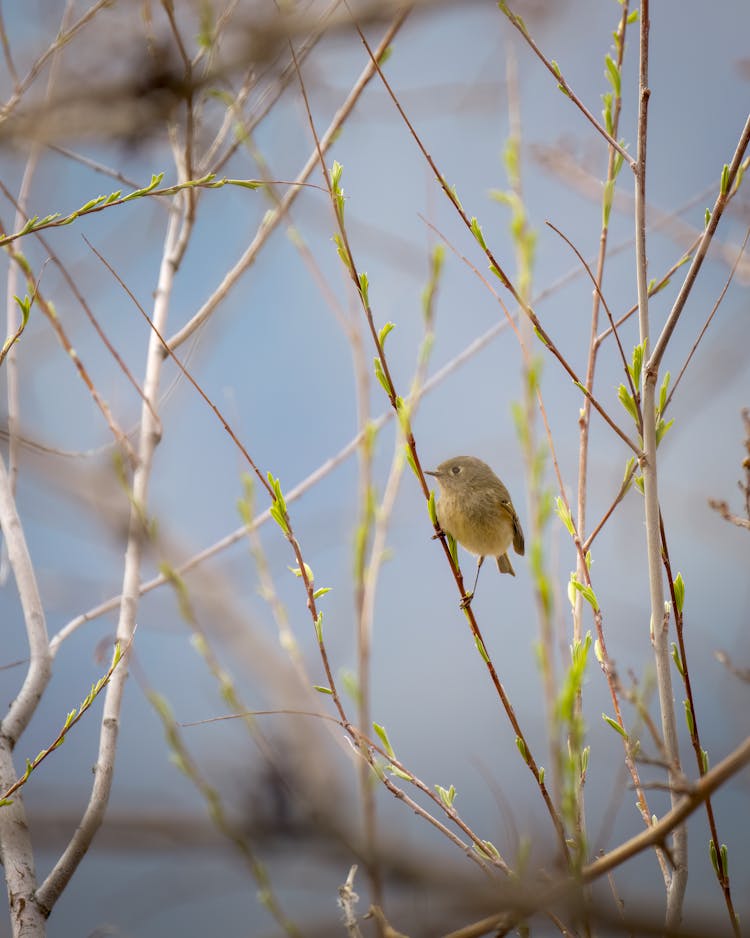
{"x":452,"y":548}
{"x":579,"y":653}
{"x":437,"y":260}
{"x":432,"y":509}
{"x":636,"y":367}
{"x":563,"y":513}
{"x":403,"y":412}
{"x":481,"y":649}
{"x":661,"y":430}
{"x":561,"y":80}
{"x":490,"y":850}
{"x":587,"y":593}
{"x":714,"y":856}
{"x":385,"y":332}
{"x":336,"y":171}
{"x":663,"y":391}
{"x":542,"y":338}
{"x":410,"y":459}
{"x":155,"y":181}
{"x":607,"y":193}
{"x":364,"y":289}
{"x":251,"y":184}
{"x":494,"y":269}
{"x":476,"y":230}
{"x":25,"y":307}
{"x":341,"y":251}
{"x":615,"y":725}
{"x":399,"y":773}
{"x":29,"y":226}
{"x":612,"y":73}
{"x":277,"y":493}
{"x":278,"y":517}
{"x":447,"y":796}
{"x":689,"y":717}
{"x":511,"y":158}
{"x":501,"y":196}
{"x":627,"y":479}
{"x":740,"y":173}
{"x":627,"y":401}
{"x":521,"y":747}
{"x":454,"y":193}
{"x":725,"y":180}
{"x":383,"y":736}
{"x":298,"y":573}
{"x":322,"y":690}
{"x":679,"y":592}
{"x":92,"y":203}
{"x":380,"y":375}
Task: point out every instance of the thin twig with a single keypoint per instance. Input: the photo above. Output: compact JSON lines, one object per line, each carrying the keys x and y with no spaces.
{"x":62,"y":39}
{"x":398,"y":407}
{"x":659,"y":620}
{"x":495,"y":267}
{"x":273,"y":218}
{"x":707,"y":323}
{"x":565,"y":88}
{"x":722,"y":199}
{"x":722,"y":874}
{"x":613,"y":326}
{"x":58,"y":878}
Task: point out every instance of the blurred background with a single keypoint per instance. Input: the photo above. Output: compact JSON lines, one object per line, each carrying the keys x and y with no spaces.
{"x":276,"y":360}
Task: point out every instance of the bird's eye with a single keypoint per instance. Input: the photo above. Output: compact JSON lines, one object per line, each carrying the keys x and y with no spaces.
{"x":455,"y":470}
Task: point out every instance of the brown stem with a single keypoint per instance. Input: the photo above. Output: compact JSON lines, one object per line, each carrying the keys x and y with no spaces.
{"x":721,"y":873}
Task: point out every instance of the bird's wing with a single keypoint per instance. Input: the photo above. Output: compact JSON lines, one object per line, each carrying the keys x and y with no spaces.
{"x":518,"y":541}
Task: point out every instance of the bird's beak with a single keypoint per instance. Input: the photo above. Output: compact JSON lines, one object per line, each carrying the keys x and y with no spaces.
{"x":430,"y":472}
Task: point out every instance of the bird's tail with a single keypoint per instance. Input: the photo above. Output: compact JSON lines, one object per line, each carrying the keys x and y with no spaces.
{"x":504,"y":565}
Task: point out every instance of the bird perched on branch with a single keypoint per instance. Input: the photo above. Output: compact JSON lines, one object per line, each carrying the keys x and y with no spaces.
{"x":475,"y":508}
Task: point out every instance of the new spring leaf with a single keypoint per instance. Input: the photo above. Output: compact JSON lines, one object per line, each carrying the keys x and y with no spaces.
{"x":383,"y":736}
{"x":384,"y":333}
{"x":381,"y":376}
{"x":615,"y":725}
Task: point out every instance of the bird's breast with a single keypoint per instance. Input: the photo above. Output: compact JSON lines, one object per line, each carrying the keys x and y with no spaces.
{"x":484,"y":530}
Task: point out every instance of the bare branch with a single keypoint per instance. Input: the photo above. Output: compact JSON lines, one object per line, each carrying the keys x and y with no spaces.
{"x":728,"y":181}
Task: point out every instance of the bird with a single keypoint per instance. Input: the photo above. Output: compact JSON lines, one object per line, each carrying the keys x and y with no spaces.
{"x":475,"y":508}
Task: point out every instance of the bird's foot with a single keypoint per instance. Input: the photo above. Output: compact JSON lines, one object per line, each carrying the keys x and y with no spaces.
{"x":466,"y":601}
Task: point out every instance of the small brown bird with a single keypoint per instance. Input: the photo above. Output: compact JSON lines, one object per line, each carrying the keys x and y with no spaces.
{"x":475,"y":508}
